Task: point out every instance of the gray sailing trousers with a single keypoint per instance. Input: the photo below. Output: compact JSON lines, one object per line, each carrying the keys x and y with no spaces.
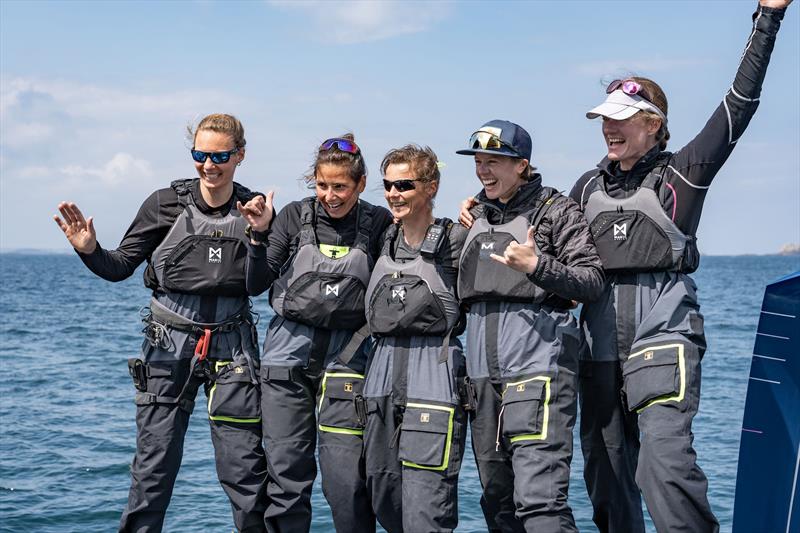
{"x":640,"y":390}
{"x":523,"y":362}
{"x":161,"y":427}
{"x":415,"y":435}
{"x":301,"y":375}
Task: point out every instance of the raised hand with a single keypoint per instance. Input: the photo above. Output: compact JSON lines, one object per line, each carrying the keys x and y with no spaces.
{"x":258,"y":211}
{"x":520,"y":257}
{"x":464,"y":216}
{"x":780,"y":4}
{"x":78,"y":230}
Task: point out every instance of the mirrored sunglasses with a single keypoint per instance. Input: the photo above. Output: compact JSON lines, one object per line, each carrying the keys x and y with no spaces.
{"x":342,"y":145}
{"x":217,"y":158}
{"x":485,"y":140}
{"x":629,"y":87}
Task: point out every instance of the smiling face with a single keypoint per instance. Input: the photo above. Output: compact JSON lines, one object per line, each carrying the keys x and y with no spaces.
{"x":413,"y":204}
{"x":216,"y":180}
{"x":500,"y":175}
{"x":336,"y":190}
{"x":628,"y":140}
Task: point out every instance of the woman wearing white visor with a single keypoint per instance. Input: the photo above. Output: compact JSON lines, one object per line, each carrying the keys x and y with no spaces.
{"x":645,"y":335}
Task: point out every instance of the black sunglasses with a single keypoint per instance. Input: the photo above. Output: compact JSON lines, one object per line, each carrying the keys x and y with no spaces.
{"x":400,"y":185}
{"x":217,"y":158}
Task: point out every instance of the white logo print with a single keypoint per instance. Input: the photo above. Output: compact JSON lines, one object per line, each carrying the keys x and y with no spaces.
{"x":621,"y":231}
{"x":215,"y":255}
{"x":487,"y":246}
{"x":399,"y":294}
{"x":332,"y":289}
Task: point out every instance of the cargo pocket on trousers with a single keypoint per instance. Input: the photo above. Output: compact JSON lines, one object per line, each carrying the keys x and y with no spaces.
{"x":342,"y":408}
{"x":656,"y":374}
{"x":425,"y":436}
{"x":234,"y":397}
{"x":525,"y":412}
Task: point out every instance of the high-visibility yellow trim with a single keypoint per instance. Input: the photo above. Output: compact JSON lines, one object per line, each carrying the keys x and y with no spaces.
{"x":446,"y":458}
{"x":681,"y":370}
{"x":545,"y":406}
{"x":334,"y":252}
{"x":217,"y":366}
{"x":334,"y":429}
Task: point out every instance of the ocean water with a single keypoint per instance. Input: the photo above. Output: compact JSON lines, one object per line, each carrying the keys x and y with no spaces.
{"x":67,"y":426}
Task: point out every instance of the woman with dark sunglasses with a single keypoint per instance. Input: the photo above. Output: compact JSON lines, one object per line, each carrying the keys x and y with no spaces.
{"x":318,"y":255}
{"x":527,"y":256}
{"x":416,"y":426}
{"x":199,"y":330}
{"x":640,"y":380}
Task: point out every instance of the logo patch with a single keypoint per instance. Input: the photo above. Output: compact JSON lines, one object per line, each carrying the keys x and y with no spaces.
{"x":648,"y":355}
{"x":521,"y":387}
{"x":621,"y":231}
{"x":348,"y":387}
{"x":238,"y":370}
{"x":424,"y":417}
{"x":214,"y":255}
{"x":332,"y":289}
{"x":399,"y":293}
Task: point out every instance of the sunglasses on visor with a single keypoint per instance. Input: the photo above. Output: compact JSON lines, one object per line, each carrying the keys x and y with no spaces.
{"x":400,"y":185}
{"x":217,"y":158}
{"x":488,"y":141}
{"x":629,"y":87}
{"x":342,"y":145}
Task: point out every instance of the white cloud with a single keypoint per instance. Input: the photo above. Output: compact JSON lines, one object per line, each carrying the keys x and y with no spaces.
{"x":360,"y":21}
{"x":120,"y":168}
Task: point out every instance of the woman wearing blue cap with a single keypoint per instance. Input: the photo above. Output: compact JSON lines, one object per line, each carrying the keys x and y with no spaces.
{"x":527,"y":256}
{"x":645,"y":334}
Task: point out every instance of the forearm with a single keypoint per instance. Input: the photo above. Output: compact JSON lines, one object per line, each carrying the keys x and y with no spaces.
{"x":258,"y":276}
{"x":111,"y":265}
{"x":581,"y":282}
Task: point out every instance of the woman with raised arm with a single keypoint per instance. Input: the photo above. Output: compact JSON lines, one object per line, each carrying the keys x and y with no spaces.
{"x":416,"y":425}
{"x":318,"y":255}
{"x":645,"y":334}
{"x":527,"y":256}
{"x":199,"y":330}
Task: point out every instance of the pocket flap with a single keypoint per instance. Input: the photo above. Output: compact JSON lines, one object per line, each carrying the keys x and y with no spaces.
{"x":524,"y":391}
{"x":278,"y":373}
{"x":650,"y":357}
{"x":428,"y":420}
{"x":154,"y":370}
{"x":343,"y":388}
{"x":232,"y":373}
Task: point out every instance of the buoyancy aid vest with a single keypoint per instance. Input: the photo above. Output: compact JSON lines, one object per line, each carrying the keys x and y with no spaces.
{"x":635,"y":234}
{"x":410,"y":298}
{"x":202,"y":254}
{"x":480,"y":277}
{"x":320,"y":285}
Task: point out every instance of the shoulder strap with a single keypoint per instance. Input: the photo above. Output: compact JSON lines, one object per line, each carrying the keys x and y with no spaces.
{"x":548,"y":197}
{"x":364,"y":221}
{"x":183,"y":188}
{"x":388,"y":240}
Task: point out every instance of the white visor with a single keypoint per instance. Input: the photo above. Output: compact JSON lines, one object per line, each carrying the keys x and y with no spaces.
{"x":619,"y":106}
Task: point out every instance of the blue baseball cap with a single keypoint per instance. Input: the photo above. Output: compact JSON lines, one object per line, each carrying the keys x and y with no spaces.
{"x":500,"y":137}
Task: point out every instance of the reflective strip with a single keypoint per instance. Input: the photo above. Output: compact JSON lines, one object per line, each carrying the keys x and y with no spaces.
{"x":334,"y":252}
{"x":217,"y":366}
{"x":446,"y":458}
{"x":546,"y":406}
{"x":332,"y":429}
{"x":681,"y":370}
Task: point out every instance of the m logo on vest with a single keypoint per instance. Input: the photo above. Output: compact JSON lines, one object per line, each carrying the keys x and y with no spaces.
{"x":215,"y":255}
{"x":621,"y":231}
{"x":331,"y":290}
{"x":399,"y":293}
{"x":487,"y":249}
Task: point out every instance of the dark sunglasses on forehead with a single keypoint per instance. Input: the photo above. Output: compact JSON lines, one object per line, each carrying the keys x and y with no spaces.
{"x":485,"y":140}
{"x":342,"y":145}
{"x":400,"y":185}
{"x":217,"y":158}
{"x":629,"y":87}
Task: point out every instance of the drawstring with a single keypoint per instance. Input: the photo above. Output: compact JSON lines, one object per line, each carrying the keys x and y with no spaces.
{"x":499,"y":422}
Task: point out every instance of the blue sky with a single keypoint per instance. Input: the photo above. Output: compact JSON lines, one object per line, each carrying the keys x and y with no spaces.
{"x":95,"y":97}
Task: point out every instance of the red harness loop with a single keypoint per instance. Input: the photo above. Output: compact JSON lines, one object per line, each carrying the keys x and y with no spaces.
{"x":201,"y":349}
